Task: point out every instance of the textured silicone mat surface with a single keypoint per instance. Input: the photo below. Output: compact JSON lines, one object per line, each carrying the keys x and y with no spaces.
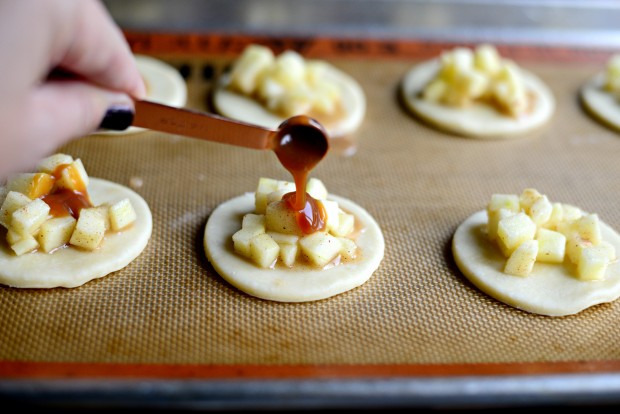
{"x":170,"y":307}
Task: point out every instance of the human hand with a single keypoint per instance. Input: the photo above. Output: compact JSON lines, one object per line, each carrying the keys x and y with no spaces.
{"x":38,"y":112}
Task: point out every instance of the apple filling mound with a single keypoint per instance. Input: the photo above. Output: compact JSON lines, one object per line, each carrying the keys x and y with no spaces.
{"x":272,"y":236}
{"x":286,"y":84}
{"x":50,"y":209}
{"x":528,"y":228}
{"x":467,"y":75}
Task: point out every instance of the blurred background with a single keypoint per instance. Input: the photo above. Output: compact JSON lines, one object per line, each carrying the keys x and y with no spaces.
{"x":588,"y":23}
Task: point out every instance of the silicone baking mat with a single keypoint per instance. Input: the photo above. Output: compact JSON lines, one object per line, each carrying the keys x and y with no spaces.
{"x":169,"y":314}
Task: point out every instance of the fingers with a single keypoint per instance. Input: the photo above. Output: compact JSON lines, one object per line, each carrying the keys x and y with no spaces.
{"x":98,"y":51}
{"x":70,"y":109}
{"x":51,"y":116}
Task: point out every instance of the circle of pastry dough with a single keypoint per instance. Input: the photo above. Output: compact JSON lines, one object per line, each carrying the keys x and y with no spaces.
{"x":551,"y":289}
{"x":70,"y":267}
{"x":478,"y":120}
{"x":164,"y":84}
{"x":243,"y":108}
{"x":281,"y":284}
{"x":601,"y":104}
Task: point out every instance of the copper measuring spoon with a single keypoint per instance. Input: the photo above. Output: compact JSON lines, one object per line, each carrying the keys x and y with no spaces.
{"x":299,"y":142}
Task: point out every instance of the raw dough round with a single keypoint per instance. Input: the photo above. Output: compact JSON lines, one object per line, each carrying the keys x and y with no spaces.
{"x":164,"y":84}
{"x":288,"y":285}
{"x":601,"y":104}
{"x":479,"y":120}
{"x":71,"y":267}
{"x":551,"y":289}
{"x":242,"y":108}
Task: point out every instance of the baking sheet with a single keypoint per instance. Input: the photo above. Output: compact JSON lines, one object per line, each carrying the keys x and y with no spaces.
{"x":416,"y":315}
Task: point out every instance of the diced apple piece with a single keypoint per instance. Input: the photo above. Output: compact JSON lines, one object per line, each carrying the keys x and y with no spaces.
{"x":13,"y":237}
{"x":121,"y":214}
{"x":27,"y":219}
{"x":612,"y":78}
{"x":73,"y":177}
{"x":281,"y":219}
{"x":241,"y":239}
{"x":13,"y":201}
{"x":473,"y":83}
{"x":571,"y":212}
{"x":574,"y":246}
{"x":513,"y":231}
{"x":494,"y":217}
{"x":522,"y":259}
{"x":288,"y":247}
{"x":89,"y":230}
{"x":346,"y":224}
{"x":551,"y":246}
{"x":508,"y":202}
{"x":283,"y":238}
{"x":49,"y":164}
{"x":263,"y":250}
{"x":457,"y":60}
{"x":288,"y":254}
{"x":276,"y":195}
{"x":269,"y":89}
{"x":316,"y":189}
{"x":265,"y":186}
{"x":252,"y":225}
{"x":287,"y":186}
{"x":509,"y":89}
{"x":556,"y":217}
{"x":325,"y":98}
{"x":349,"y":248}
{"x":487,"y":60}
{"x":527,"y":198}
{"x":316,"y":70}
{"x":592,"y":264}
{"x":295,"y":102}
{"x":55,"y":232}
{"x":567,"y":228}
{"x":27,"y":244}
{"x":252,"y":63}
{"x":33,"y":185}
{"x":20,"y":182}
{"x":435,"y":90}
{"x":588,"y":228}
{"x":104,"y":211}
{"x":320,"y":247}
{"x":540,"y":211}
{"x":289,"y":69}
{"x":332,"y":210}
{"x":253,"y":220}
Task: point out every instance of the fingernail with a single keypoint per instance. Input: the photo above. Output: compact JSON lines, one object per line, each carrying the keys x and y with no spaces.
{"x":117,"y":118}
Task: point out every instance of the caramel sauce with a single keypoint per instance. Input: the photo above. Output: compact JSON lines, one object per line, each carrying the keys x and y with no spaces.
{"x":302,"y":145}
{"x":311,"y":217}
{"x":64,"y":202}
{"x":73,"y":175}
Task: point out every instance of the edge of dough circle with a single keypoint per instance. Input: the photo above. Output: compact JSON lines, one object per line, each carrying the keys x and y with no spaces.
{"x":478,"y":120}
{"x":70,"y":267}
{"x":549,"y":290}
{"x":602,"y":105}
